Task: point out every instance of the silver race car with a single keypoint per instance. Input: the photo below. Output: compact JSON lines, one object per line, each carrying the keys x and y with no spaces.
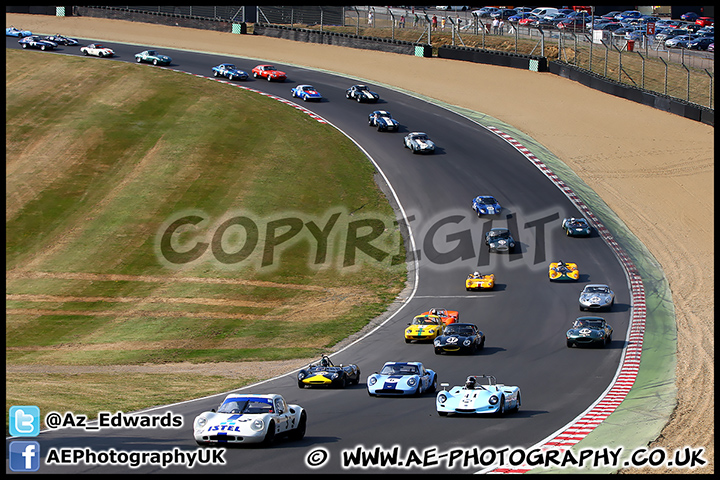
{"x":476,"y":398}
{"x":596,"y":297}
{"x":419,"y":142}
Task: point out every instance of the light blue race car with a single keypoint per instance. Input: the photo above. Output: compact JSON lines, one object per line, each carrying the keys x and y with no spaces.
{"x":402,"y":378}
{"x":16,"y":32}
{"x":485,"y":205}
{"x":306,"y":93}
{"x":475,"y":398}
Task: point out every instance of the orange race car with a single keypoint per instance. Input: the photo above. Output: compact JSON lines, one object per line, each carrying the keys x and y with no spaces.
{"x":447,"y":316}
{"x":563,"y":271}
{"x":480,"y":281}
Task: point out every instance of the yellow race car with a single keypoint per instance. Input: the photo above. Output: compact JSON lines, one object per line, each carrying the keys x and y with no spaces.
{"x":563,"y":271}
{"x":480,"y":281}
{"x":424,"y":328}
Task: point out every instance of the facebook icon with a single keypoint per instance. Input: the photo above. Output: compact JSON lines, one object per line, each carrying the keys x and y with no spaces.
{"x":24,"y":456}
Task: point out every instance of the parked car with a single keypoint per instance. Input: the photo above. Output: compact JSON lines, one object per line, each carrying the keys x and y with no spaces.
{"x":485,"y":12}
{"x":504,"y":13}
{"x":679,"y":41}
{"x":701,"y":43}
{"x":628,"y":15}
{"x":705,"y":21}
{"x":689,"y":16}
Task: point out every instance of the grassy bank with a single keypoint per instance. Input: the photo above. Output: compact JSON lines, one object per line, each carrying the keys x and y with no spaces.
{"x":103,"y":157}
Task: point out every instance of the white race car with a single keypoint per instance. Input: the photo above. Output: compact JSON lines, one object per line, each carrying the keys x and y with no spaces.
{"x":475,"y":398}
{"x":250,"y":418}
{"x":419,"y":142}
{"x":97,"y":50}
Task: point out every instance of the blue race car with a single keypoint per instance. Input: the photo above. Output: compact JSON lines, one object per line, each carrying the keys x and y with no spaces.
{"x":16,"y":32}
{"x":485,"y":205}
{"x":229,"y":71}
{"x":383,"y":121}
{"x":402,"y":378}
{"x":474,"y":398}
{"x":576,"y":227}
{"x":306,"y":92}
{"x":34,"y":41}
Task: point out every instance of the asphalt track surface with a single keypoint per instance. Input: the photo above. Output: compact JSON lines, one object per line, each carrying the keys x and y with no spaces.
{"x":523,"y":319}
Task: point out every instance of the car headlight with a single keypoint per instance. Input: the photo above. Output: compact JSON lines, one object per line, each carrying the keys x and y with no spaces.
{"x":436,"y":342}
{"x":493,"y":400}
{"x":412,"y":381}
{"x":442,"y":398}
{"x":467,"y":342}
{"x":335,"y":375}
{"x":372,"y":381}
{"x":257,"y":425}
{"x":200,"y":422}
{"x":301,"y":375}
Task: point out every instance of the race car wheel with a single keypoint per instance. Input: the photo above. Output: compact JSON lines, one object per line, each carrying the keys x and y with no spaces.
{"x":86,"y":53}
{"x":155,"y":62}
{"x":517,"y":404}
{"x":42,"y":47}
{"x":358,"y":99}
{"x":301,"y":384}
{"x":24,"y":45}
{"x":407,"y":340}
{"x":343,"y":382}
{"x":255,"y":74}
{"x":442,"y":414}
{"x":501,"y":410}
{"x":433,"y":387}
{"x":438,"y":351}
{"x":569,"y":344}
{"x":299,"y":432}
{"x":270,"y":435}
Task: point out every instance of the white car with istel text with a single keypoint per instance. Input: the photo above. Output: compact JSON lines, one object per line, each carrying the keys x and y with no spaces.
{"x":250,"y":418}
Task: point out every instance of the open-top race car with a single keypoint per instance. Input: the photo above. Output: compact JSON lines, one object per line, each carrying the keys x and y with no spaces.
{"x":250,"y":418}
{"x":596,"y":297}
{"x":446,"y":316}
{"x":383,"y":121}
{"x":402,"y":378}
{"x":499,"y":239}
{"x":459,"y":338}
{"x":326,"y":373}
{"x":480,"y":281}
{"x":424,"y":328}
{"x":576,"y":227}
{"x":477,"y":398}
{"x":305,"y":92}
{"x":558,"y":271}
{"x":593,"y":331}
{"x":361,"y":93}
{"x":62,"y":40}
{"x":485,"y":205}
{"x":16,"y":32}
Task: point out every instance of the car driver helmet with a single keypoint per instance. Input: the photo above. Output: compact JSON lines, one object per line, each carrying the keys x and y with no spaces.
{"x":325,"y":362}
{"x":470,"y":383}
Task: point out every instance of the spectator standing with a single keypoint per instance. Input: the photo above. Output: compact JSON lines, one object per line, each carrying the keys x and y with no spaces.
{"x":402,"y":21}
{"x":501,"y":27}
{"x":495,"y":24}
{"x":370,"y":18}
{"x":434,"y":22}
{"x":442,"y":23}
{"x":416,"y":20}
